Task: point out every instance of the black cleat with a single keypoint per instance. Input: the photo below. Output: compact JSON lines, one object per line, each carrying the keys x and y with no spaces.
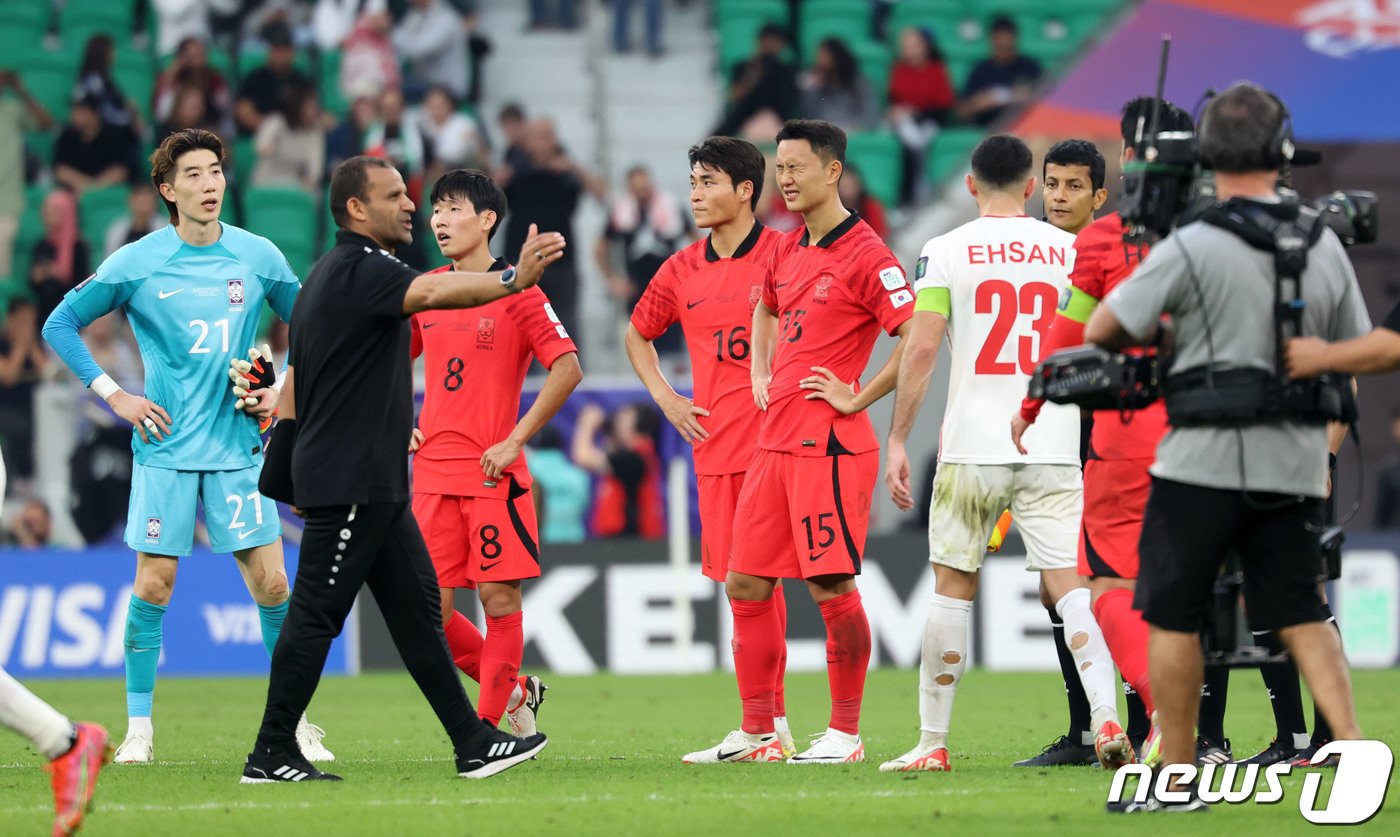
{"x":1062,"y":752}
{"x":1193,"y":805}
{"x":1273,"y":754}
{"x":266,"y":768}
{"x":1209,"y":752}
{"x":1303,"y":758}
{"x":499,"y":751}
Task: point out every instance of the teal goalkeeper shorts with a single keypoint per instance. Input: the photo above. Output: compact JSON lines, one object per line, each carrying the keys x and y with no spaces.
{"x":160,"y":519}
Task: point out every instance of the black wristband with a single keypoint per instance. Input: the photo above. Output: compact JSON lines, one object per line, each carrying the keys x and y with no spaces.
{"x":275,"y":481}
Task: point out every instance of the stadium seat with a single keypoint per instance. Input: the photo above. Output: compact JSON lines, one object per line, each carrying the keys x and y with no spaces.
{"x":81,"y":19}
{"x":31,"y":230}
{"x":245,"y":157}
{"x":250,"y":59}
{"x":20,"y":35}
{"x":875,"y":61}
{"x":50,"y":77}
{"x":97,"y":209}
{"x":766,"y":10}
{"x":814,"y":32}
{"x":949,"y":152}
{"x":847,"y":10}
{"x":136,"y":77}
{"x":880,"y":158}
{"x":328,"y":83}
{"x":285,"y":216}
{"x":942,"y":15}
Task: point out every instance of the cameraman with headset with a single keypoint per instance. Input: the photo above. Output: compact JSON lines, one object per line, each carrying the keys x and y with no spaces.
{"x":1244,"y":466}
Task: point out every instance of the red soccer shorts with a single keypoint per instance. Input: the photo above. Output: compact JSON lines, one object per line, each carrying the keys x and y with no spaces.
{"x":476,"y":539}
{"x":1115,"y":496}
{"x":719,"y":496}
{"x":803,"y":516}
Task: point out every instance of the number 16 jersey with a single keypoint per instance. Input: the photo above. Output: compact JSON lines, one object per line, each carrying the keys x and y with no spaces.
{"x":1004,"y":278}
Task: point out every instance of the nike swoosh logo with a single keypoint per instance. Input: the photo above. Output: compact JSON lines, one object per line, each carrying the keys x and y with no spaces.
{"x":168,"y":294}
{"x":242,"y":535}
{"x":690,"y":305}
{"x":782,"y":284}
{"x":814,"y":556}
{"x":724,"y":756}
{"x":427,"y":326}
{"x":488,"y":567}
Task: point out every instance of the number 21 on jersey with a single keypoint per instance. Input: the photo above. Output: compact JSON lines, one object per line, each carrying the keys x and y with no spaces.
{"x":999,"y":297}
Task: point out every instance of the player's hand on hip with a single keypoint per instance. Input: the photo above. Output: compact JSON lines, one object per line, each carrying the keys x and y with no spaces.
{"x":149,"y":419}
{"x":682,"y":413}
{"x":498,"y":457}
{"x":826,"y":386}
{"x":539,"y":251}
{"x":897,"y":477}
{"x":760,"y":390}
{"x":415,"y":441}
{"x":1019,"y":426}
{"x":1305,"y":357}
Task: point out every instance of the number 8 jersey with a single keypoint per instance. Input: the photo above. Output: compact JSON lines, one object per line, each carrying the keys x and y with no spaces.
{"x":999,"y":281}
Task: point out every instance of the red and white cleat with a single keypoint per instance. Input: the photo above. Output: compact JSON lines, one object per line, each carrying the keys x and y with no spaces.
{"x":1112,"y":745}
{"x":75,"y":777}
{"x":739,"y":746}
{"x":832,"y":747}
{"x":919,"y":759}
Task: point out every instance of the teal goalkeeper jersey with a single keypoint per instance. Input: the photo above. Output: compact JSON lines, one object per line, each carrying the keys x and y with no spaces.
{"x":192,"y":308}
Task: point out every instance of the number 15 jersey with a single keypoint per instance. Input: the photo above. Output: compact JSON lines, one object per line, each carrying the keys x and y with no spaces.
{"x":1004,"y":277}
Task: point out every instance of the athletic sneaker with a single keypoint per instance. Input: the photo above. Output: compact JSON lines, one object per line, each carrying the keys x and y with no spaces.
{"x":523,"y":719}
{"x":1062,"y":752}
{"x":784,"y":732}
{"x":1304,"y":757}
{"x":499,"y":752}
{"x":739,"y":746}
{"x":136,"y":748}
{"x":1151,"y":751}
{"x":267,"y":768}
{"x":1193,"y":805}
{"x":1112,"y":746}
{"x":832,"y":747}
{"x":75,"y":777}
{"x":932,"y":760}
{"x":309,"y":741}
{"x":1272,"y":754}
{"x":1210,"y":752}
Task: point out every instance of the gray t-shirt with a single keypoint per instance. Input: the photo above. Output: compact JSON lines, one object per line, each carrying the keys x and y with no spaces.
{"x":1237,"y":284}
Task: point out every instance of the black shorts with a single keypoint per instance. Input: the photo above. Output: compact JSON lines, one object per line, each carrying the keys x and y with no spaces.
{"x":1187,"y":532}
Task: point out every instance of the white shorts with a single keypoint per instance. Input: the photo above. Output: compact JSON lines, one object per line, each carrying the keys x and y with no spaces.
{"x":1046,"y":502}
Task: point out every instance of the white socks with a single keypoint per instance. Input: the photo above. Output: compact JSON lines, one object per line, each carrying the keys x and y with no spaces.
{"x":140,"y":726}
{"x":941,"y":666}
{"x":1091,"y":657}
{"x":49,"y":732}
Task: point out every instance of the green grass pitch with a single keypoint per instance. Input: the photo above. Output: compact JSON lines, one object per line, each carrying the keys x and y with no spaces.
{"x":613,"y":764}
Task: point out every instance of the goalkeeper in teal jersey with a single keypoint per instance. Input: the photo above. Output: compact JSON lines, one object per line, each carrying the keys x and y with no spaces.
{"x":193,"y":293}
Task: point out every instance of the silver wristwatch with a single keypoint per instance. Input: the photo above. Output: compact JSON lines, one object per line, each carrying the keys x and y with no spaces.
{"x":508,"y":279}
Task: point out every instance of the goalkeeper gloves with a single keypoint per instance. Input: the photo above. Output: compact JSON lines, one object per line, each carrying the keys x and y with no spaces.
{"x":255,"y":373}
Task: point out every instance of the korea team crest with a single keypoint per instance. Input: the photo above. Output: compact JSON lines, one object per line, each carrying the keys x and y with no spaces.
{"x":486,"y":331}
{"x":153,"y":528}
{"x":755,"y":295}
{"x":823,"y":288}
{"x":235,"y":292}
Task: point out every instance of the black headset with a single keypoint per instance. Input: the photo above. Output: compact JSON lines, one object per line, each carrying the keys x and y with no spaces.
{"x":1279,"y":150}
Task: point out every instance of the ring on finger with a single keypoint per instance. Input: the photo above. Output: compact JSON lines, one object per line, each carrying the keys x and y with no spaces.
{"x":539,"y":254}
{"x":151,"y":425}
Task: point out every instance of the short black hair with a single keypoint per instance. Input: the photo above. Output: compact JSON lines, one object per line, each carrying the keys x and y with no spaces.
{"x":1004,"y":23}
{"x":1170,"y":119}
{"x":1001,"y":160}
{"x":740,"y":159}
{"x":350,"y":180}
{"x":511,"y":110}
{"x":1238,"y":127}
{"x":772,"y":30}
{"x":828,"y":141}
{"x":475,"y":187}
{"x":1077,"y":152}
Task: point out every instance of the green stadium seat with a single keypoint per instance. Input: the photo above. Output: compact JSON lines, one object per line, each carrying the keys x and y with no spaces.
{"x":135,"y":76}
{"x":50,"y":77}
{"x":285,"y":216}
{"x":737,"y":41}
{"x":942,"y":16}
{"x":36,"y":12}
{"x":31,"y":231}
{"x":766,"y":10}
{"x":251,"y":59}
{"x":814,"y":32}
{"x":81,"y":19}
{"x":880,"y":158}
{"x":875,"y":61}
{"x":851,"y":11}
{"x":949,"y":151}
{"x":97,"y":209}
{"x":245,"y":158}
{"x":19,"y":36}
{"x":328,"y":83}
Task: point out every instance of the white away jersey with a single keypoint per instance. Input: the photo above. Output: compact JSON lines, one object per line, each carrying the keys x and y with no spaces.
{"x":1004,"y":278}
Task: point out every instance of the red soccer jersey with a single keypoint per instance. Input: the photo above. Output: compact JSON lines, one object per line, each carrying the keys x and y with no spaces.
{"x":713,"y":300}
{"x":476,"y":360}
{"x":832,"y":298}
{"x":1101,"y":264}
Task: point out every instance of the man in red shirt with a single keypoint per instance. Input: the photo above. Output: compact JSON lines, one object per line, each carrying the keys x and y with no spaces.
{"x":805,"y":504}
{"x":711,"y":288}
{"x":471,"y":486}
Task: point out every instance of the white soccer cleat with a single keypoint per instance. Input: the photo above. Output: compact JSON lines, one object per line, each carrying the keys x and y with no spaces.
{"x":309,"y":742}
{"x":136,"y":748}
{"x":919,"y":759}
{"x":832,"y":747}
{"x":784,"y":731}
{"x":523,"y":719}
{"x":739,"y":746}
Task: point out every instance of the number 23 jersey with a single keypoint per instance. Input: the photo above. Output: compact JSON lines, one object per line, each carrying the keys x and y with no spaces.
{"x":1004,"y":277}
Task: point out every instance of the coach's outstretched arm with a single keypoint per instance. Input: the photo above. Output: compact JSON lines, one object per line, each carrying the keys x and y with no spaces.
{"x":763,"y":342}
{"x":1369,"y":354}
{"x":468,"y":290}
{"x":926,"y":329}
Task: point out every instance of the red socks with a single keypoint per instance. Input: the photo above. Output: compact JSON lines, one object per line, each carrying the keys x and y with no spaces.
{"x":500,"y":664}
{"x":847,"y":658}
{"x":779,"y":703}
{"x":758,"y":645}
{"x":1126,"y":634}
{"x":464,"y":641}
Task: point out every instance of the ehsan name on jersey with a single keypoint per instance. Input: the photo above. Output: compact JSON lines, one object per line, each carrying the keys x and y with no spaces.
{"x":1016,"y":252}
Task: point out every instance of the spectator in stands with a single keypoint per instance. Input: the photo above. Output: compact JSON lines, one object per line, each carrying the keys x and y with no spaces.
{"x":258,"y":16}
{"x":562,"y":490}
{"x":367,"y":59}
{"x":622,"y":25}
{"x":291,"y":143}
{"x":431,"y":40}
{"x":1388,"y":482}
{"x":89,"y":154}
{"x":180,"y":19}
{"x":834,"y":90}
{"x":478,"y":47}
{"x":261,"y":93}
{"x":347,"y":138}
{"x":921,"y":99}
{"x":33,"y":529}
{"x":191,"y":69}
{"x":19,"y":112}
{"x":553,"y":14}
{"x":628,"y":502}
{"x":546,"y":191}
{"x":143,"y":216}
{"x":855,"y":198}
{"x":454,"y":138}
{"x":61,"y":259}
{"x":396,"y":137}
{"x":95,"y":82}
{"x":22,"y":363}
{"x":649,"y":224}
{"x":764,"y":83}
{"x":511,"y":121}
{"x":1004,"y":80}
{"x":189,"y":110}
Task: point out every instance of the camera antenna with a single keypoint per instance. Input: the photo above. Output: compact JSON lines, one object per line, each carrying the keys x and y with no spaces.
{"x":1150,"y":151}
